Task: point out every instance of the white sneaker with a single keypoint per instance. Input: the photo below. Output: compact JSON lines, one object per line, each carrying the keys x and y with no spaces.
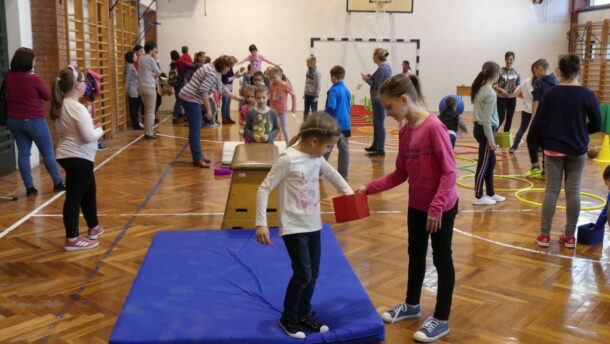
{"x":497,"y":198}
{"x":484,"y":201}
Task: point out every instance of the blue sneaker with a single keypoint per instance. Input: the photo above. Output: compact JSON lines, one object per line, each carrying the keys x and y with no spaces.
{"x":432,"y":330}
{"x":401,"y":312}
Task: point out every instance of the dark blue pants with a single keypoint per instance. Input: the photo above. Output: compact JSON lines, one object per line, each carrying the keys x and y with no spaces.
{"x":304,"y":251}
{"x":310,"y":105}
{"x":226,"y":108}
{"x":378,"y":125}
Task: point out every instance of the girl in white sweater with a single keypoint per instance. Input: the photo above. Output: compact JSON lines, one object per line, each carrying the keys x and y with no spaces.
{"x":297,"y":173}
{"x":76,"y":151}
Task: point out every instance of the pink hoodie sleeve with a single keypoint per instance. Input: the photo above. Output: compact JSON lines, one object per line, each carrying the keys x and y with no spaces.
{"x":444,"y":155}
{"x":391,"y":180}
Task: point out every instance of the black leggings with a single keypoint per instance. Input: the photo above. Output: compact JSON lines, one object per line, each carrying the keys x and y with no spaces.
{"x":533,"y":147}
{"x":441,"y":256}
{"x":80,"y":194}
{"x":485,"y":165}
{"x":506,"y":109}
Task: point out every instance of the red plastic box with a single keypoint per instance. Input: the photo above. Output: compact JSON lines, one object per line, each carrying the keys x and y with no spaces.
{"x":351,"y":207}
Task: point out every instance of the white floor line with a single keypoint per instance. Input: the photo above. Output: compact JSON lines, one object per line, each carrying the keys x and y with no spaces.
{"x":186,"y":138}
{"x":524,"y":248}
{"x":56,"y":196}
{"x":374,"y":212}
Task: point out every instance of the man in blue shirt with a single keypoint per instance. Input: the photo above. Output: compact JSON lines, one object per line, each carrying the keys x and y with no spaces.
{"x":338,"y":106}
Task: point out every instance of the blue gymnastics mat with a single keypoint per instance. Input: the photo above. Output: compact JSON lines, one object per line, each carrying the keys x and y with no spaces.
{"x":221,"y":286}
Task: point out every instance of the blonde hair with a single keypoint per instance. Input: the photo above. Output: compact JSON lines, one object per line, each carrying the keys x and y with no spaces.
{"x":249,"y":89}
{"x":382,"y":54}
{"x":319,"y":125}
{"x":64,"y":83}
{"x":260,"y":89}
{"x":311,"y":58}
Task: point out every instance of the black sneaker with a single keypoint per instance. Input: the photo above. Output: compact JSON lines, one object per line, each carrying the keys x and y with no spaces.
{"x":377,"y":153}
{"x":291,"y":329}
{"x":31,"y":191}
{"x":151,"y":137}
{"x":312,"y":323}
{"x":370,"y":149}
{"x":101,"y":147}
{"x":59,"y":187}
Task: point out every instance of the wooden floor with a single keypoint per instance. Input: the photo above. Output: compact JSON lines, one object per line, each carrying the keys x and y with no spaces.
{"x":508,"y":290}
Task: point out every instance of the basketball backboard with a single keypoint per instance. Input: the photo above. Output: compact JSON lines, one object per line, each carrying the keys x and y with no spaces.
{"x":388,"y":6}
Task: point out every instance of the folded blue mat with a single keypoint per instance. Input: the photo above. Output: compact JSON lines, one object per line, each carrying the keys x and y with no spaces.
{"x":221,"y":286}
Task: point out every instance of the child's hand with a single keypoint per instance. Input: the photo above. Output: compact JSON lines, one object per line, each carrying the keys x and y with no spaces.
{"x":433,"y":224}
{"x":315,"y":100}
{"x":293,"y":111}
{"x":363,"y":188}
{"x":262,"y":235}
{"x":265,"y":138}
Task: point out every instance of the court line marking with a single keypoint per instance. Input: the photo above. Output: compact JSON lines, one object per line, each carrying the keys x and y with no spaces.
{"x":530,"y":250}
{"x":56,"y":196}
{"x":323,"y":212}
{"x":186,"y":138}
{"x":74,"y":297}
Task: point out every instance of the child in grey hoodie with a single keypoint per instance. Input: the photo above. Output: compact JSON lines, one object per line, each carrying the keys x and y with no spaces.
{"x":312,"y":87}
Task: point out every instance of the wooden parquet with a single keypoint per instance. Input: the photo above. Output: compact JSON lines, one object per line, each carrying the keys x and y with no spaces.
{"x":507,"y":289}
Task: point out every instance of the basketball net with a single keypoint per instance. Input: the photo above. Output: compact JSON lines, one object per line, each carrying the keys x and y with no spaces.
{"x":381,"y":6}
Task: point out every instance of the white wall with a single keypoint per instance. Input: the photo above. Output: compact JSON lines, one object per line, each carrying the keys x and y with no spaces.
{"x":19,"y":29}
{"x":457,"y":36}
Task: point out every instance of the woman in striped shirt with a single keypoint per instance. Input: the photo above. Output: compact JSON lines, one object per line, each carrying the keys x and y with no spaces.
{"x":197,"y":92}
{"x":375,"y":81}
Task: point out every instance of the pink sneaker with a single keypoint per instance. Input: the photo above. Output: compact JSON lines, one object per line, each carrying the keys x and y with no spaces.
{"x":95,"y":232}
{"x":80,"y":243}
{"x":543,"y":240}
{"x":568,"y":242}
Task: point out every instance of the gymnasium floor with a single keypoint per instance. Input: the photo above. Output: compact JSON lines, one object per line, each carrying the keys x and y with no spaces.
{"x":508,"y":290}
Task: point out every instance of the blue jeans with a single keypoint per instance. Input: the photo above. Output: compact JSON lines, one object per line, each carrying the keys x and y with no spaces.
{"x":37,"y":131}
{"x":226,"y":108}
{"x":304,"y":250}
{"x":378,"y":125}
{"x":193,"y":115}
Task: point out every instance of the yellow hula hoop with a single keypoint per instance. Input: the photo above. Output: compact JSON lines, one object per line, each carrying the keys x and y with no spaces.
{"x":537,"y":204}
{"x":529,"y":187}
{"x":471,"y":162}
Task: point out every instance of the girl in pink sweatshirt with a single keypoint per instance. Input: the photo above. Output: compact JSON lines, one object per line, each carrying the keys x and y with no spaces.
{"x":425,"y":159}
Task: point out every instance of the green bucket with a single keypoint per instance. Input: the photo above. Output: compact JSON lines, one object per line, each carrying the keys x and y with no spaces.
{"x":504,"y":140}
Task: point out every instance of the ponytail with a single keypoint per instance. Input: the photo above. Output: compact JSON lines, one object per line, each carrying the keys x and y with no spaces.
{"x":294,"y":140}
{"x":489,"y":70}
{"x":401,"y":84}
{"x":65,"y":82}
{"x":319,"y":125}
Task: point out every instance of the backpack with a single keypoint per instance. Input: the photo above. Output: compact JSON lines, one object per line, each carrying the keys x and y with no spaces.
{"x":92,"y":81}
{"x":173,"y":77}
